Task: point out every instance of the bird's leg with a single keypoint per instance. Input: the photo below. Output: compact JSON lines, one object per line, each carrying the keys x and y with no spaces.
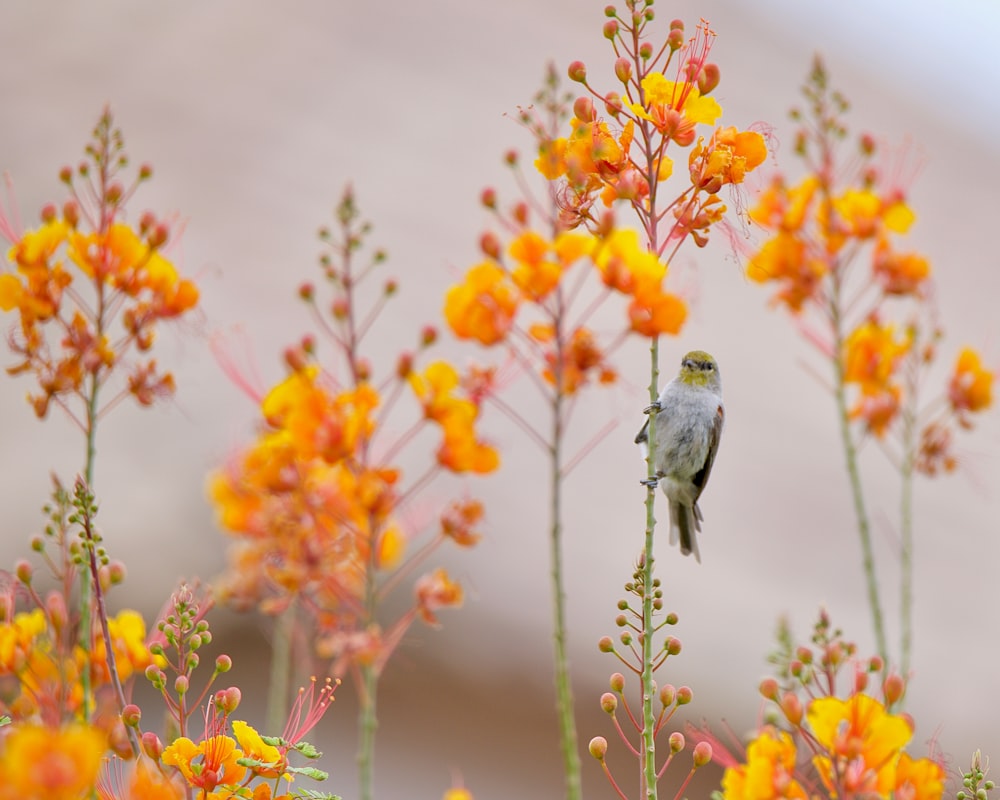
{"x":652,"y":407}
{"x":653,"y":482}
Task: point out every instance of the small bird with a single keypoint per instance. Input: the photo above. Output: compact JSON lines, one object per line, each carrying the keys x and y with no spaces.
{"x":688,"y":416}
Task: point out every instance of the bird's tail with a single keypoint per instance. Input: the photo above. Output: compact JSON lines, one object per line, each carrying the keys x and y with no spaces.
{"x":685,"y":522}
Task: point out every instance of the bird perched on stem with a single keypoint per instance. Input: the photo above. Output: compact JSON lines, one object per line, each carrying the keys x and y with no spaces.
{"x":688,"y":417}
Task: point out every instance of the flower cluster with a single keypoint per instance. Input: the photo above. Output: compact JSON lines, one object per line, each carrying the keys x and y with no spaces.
{"x":831,"y":746}
{"x":90,"y":288}
{"x":317,"y":502}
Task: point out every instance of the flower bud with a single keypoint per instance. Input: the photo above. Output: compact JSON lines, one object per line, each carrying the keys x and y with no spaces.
{"x":609,"y":703}
{"x":623,"y":69}
{"x":598,"y":747}
{"x":24,"y":571}
{"x":510,"y":158}
{"x":875,"y":664}
{"x":520,"y":213}
{"x":702,"y":754}
{"x":71,"y":213}
{"x":577,"y":72}
{"x":489,"y":243}
{"x":152,"y":746}
{"x":583,"y":109}
{"x":617,"y":682}
{"x":55,"y":605}
{"x":621,"y":620}
{"x":390,"y":287}
{"x":867,"y":144}
{"x":223,"y":663}
{"x":145,"y":172}
{"x":610,"y":11}
{"x":307,"y":292}
{"x":606,"y":645}
{"x":769,"y":688}
{"x":667,"y":695}
{"x":893,"y":688}
{"x":645,"y":51}
{"x":116,"y":572}
{"x":131,"y":715}
{"x":404,"y":366}
{"x":708,"y":78}
{"x":675,"y":39}
{"x":66,"y":175}
{"x":672,"y":645}
{"x":613,"y":103}
{"x":181,"y":684}
{"x":684,"y":695}
{"x":488,"y":198}
{"x":791,"y":706}
{"x":611,"y":29}
{"x":676,"y":742}
{"x":228,"y":700}
{"x":860,"y":681}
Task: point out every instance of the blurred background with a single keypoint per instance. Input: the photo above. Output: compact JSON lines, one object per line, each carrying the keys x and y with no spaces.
{"x":254,"y":116}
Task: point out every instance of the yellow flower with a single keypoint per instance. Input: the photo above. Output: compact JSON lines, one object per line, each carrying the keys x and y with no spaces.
{"x":768,"y":771}
{"x":861,"y":738}
{"x":683,"y":97}
{"x":871,"y":355}
{"x":50,"y":763}
{"x":436,"y":591}
{"x":255,"y":748}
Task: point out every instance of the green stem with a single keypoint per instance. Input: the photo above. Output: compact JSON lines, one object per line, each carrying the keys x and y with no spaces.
{"x":367,"y":725}
{"x":86,"y":582}
{"x":648,"y":759}
{"x":906,"y":526}
{"x":854,"y":475}
{"x":564,"y":690}
{"x":281,"y":669}
{"x":368,"y":689}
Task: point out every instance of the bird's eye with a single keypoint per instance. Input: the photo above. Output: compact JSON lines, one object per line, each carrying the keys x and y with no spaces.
{"x":710,"y":366}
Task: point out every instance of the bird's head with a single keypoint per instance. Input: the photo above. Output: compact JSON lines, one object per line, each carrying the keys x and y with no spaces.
{"x":698,"y":368}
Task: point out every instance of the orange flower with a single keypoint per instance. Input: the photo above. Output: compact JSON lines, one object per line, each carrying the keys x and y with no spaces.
{"x":459,"y":518}
{"x":54,"y":763}
{"x":210,"y":763}
{"x":786,"y":259}
{"x":580,"y":357}
{"x":899,"y":273}
{"x":461,"y":450}
{"x":482,"y":307}
{"x":784,"y":208}
{"x":871,"y":355}
{"x":971,"y":386}
{"x":918,"y":779}
{"x":436,"y":591}
{"x":729,"y":156}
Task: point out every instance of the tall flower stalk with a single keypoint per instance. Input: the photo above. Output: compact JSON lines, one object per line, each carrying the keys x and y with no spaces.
{"x":89,"y":290}
{"x":866,"y":306}
{"x":535,"y":298}
{"x":318,"y":507}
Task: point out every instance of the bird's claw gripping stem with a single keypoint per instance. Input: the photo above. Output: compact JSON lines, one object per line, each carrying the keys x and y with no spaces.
{"x":652,"y":483}
{"x":652,"y":407}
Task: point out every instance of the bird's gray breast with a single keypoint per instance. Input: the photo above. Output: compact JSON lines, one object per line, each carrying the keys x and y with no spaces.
{"x":683,"y":430}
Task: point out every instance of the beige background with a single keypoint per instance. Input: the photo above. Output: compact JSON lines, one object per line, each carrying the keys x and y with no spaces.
{"x":254,"y":116}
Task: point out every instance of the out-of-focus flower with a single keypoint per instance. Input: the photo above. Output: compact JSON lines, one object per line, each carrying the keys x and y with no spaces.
{"x":482,"y":307}
{"x":51,"y":763}
{"x":768,"y":771}
{"x":436,"y":591}
{"x":971,"y":385}
{"x":872,"y":354}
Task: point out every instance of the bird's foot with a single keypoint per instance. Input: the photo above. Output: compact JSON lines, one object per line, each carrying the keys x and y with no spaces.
{"x":651,"y":483}
{"x":652,"y":407}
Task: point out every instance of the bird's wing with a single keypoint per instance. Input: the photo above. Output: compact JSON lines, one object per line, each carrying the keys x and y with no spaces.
{"x":701,"y":477}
